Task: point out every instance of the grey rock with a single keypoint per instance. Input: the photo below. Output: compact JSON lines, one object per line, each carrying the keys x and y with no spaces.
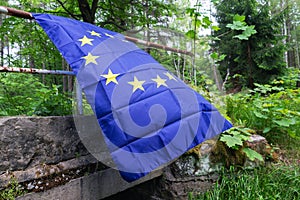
{"x":29,"y":141}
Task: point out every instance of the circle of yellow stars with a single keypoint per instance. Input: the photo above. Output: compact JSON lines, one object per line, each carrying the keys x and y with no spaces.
{"x":112,"y":77}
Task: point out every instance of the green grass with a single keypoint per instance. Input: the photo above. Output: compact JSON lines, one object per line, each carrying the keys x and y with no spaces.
{"x":266,"y":183}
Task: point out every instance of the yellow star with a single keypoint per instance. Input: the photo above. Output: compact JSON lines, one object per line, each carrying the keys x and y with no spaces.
{"x":160,"y":81}
{"x":90,"y":59}
{"x":170,"y":76}
{"x":86,"y":40}
{"x":136,"y":84}
{"x":110,"y":77}
{"x":95,"y":33}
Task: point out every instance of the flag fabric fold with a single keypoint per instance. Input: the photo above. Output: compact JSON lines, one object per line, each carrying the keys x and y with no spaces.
{"x":148,"y":116}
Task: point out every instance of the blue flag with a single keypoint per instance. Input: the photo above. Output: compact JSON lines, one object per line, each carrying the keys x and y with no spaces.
{"x":148,"y":116}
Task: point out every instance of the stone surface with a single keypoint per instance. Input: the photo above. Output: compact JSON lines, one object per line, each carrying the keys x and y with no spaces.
{"x":43,"y":171}
{"x":167,"y":187}
{"x":93,"y":187}
{"x":29,"y":141}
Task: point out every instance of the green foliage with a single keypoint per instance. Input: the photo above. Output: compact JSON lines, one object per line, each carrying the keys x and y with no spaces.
{"x":216,"y":57}
{"x":24,"y":94}
{"x":29,"y":44}
{"x":240,"y":24}
{"x":250,"y":35}
{"x":52,"y":102}
{"x":198,"y":20}
{"x":235,"y":137}
{"x":252,"y":155}
{"x":14,"y":190}
{"x":246,"y":33}
{"x":260,"y":183}
{"x":271,"y":109}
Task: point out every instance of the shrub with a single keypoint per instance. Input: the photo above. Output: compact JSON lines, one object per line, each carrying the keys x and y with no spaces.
{"x":24,"y":94}
{"x":273,"y":109}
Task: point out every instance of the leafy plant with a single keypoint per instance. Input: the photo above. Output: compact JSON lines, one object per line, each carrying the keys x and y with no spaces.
{"x":198,"y":20}
{"x":272,"y":110}
{"x":235,"y":137}
{"x":14,"y":190}
{"x":52,"y":102}
{"x":24,"y":94}
{"x":240,"y":24}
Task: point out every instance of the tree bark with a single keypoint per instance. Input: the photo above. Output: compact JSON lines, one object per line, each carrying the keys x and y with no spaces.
{"x":87,"y":12}
{"x":250,"y":67}
{"x":1,"y":45}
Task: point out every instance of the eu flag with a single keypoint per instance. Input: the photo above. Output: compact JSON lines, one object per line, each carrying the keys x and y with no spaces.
{"x":147,"y":115}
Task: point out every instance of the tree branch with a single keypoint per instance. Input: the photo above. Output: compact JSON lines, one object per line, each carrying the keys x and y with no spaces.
{"x":94,"y":7}
{"x":70,"y":13}
{"x":113,"y":23}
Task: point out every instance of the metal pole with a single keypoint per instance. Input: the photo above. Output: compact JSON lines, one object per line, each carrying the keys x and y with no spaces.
{"x":3,"y":10}
{"x":79,"y":98}
{"x":15,"y":12}
{"x":36,"y":71}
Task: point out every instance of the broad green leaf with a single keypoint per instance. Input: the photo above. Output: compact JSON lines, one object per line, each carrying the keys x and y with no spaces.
{"x":190,"y":11}
{"x":231,"y":141}
{"x":197,"y":23}
{"x":249,"y":31}
{"x":260,"y":115}
{"x":215,"y":28}
{"x":214,"y":55}
{"x":222,"y":57}
{"x":233,"y":132}
{"x":266,"y":130}
{"x":191,"y":34}
{"x":242,"y":137}
{"x":252,"y":155}
{"x":206,"y":21}
{"x":238,"y":17}
{"x":237,"y":25}
{"x":284,"y":122}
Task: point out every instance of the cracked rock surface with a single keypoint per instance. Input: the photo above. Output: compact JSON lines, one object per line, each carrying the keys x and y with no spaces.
{"x":28,"y":141}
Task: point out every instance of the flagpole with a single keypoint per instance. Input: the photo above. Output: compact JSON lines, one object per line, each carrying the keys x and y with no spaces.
{"x":35,"y":71}
{"x":15,"y":12}
{"x":27,"y":15}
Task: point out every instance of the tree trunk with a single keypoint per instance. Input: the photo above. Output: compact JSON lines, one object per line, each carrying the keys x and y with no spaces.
{"x":250,"y":67}
{"x":87,"y":12}
{"x":290,"y":53}
{"x":1,"y":45}
{"x":219,"y":85}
